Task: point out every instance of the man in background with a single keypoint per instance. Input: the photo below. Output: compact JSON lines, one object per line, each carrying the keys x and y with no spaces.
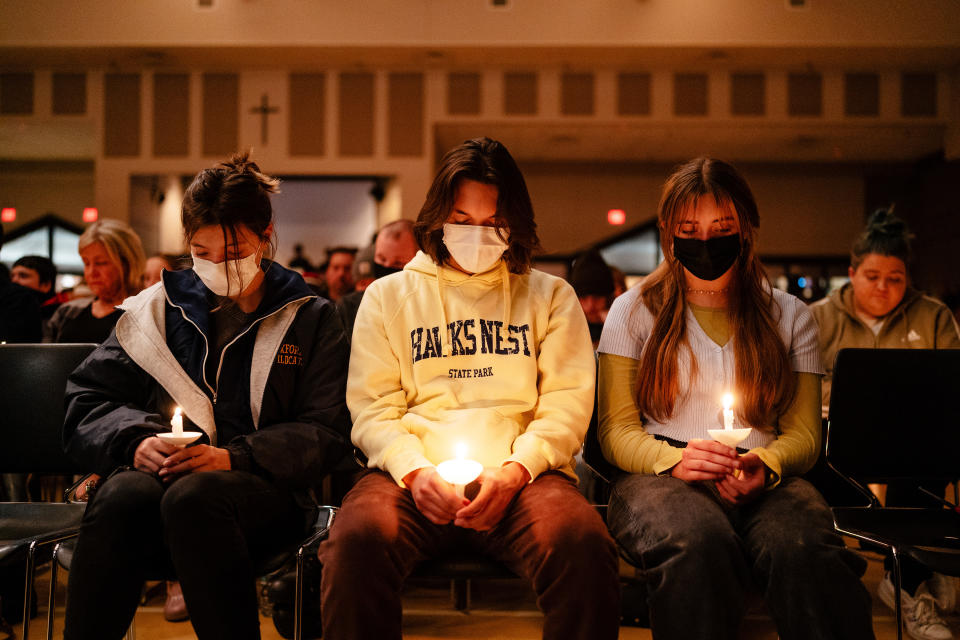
{"x":19,"y":310}
{"x":39,"y":274}
{"x":593,"y":281}
{"x":337,"y":273}
{"x":394,"y":247}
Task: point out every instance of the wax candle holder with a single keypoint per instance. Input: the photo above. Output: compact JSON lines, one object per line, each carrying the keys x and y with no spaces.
{"x":459,"y":472}
{"x":181,"y":439}
{"x":178,"y":437}
{"x":730,"y":437}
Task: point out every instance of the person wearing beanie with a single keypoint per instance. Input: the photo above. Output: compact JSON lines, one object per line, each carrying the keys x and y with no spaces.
{"x":592,"y":280}
{"x":19,"y":310}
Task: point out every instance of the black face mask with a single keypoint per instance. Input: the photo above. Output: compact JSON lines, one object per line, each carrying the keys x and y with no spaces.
{"x":380,"y":270}
{"x":707,"y":259}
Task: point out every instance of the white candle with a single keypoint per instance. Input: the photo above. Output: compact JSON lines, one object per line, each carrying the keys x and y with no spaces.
{"x":177,"y":421}
{"x":727,"y":411}
{"x":459,"y":471}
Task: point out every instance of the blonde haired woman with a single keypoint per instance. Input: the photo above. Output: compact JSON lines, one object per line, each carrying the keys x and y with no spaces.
{"x":113,"y":262}
{"x":703,"y":519}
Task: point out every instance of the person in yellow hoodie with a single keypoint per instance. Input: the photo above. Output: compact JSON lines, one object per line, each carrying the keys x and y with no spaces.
{"x":878,"y":309}
{"x":470,"y":350}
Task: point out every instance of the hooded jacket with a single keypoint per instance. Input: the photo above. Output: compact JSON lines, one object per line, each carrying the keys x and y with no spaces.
{"x":918,"y":322}
{"x":499,"y":362}
{"x":277,"y":403}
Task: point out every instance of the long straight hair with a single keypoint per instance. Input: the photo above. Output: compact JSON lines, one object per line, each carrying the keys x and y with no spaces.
{"x":764,"y":382}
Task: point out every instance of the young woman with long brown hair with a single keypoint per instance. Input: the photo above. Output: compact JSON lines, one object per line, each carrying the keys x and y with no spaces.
{"x":702,"y":518}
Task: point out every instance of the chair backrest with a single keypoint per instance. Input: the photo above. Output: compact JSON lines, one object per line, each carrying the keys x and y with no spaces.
{"x":592,"y":453}
{"x":33,"y":378}
{"x":895,"y":414}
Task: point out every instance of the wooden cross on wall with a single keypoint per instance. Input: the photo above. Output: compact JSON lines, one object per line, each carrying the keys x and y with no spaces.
{"x":264,"y":110}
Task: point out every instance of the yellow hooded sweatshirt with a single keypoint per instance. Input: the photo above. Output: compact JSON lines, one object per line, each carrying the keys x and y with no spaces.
{"x":499,"y":362}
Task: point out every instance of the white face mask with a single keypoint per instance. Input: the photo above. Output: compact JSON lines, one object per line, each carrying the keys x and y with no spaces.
{"x":237,"y":275}
{"x":476,"y":248}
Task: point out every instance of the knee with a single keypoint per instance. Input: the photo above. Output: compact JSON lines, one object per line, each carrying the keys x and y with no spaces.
{"x":126,"y":496}
{"x":794,"y":537}
{"x":671,"y":527}
{"x":577,"y":545}
{"x":191,"y":498}
{"x":358,"y":538}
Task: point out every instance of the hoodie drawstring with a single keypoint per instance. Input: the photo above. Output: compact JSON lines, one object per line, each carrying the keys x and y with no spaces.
{"x":444,"y":328}
{"x":443,"y":314}
{"x":505,"y":279}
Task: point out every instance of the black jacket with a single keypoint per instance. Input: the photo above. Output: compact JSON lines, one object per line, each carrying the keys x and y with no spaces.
{"x":277,"y":404}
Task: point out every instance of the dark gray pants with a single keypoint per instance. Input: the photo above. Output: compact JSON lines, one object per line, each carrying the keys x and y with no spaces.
{"x":701,"y":560}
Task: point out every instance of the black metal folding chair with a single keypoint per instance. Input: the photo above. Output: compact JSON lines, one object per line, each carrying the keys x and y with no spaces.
{"x":33,"y":378}
{"x":894,"y":417}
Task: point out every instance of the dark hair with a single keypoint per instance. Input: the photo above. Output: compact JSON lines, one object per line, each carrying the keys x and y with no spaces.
{"x":330,"y":251}
{"x":46,"y":270}
{"x":592,"y":276}
{"x":885,"y":234}
{"x":230,"y":194}
{"x":488,"y":162}
{"x":763,"y":377}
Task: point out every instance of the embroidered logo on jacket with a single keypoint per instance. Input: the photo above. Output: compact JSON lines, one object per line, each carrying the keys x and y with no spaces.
{"x":913,"y":336}
{"x":470,"y":337}
{"x":290,"y":354}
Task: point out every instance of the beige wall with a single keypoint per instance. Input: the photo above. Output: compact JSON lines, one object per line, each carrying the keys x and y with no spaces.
{"x":474,"y":22}
{"x":804,"y":209}
{"x":38,"y":188}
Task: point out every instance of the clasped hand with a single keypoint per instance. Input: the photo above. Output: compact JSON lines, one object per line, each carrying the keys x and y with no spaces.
{"x":711,"y":461}
{"x":169,"y":462}
{"x":438,"y":501}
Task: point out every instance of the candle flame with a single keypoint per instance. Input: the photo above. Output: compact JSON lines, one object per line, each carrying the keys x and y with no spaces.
{"x":177,"y":411}
{"x":460,"y":450}
{"x":727,"y":400}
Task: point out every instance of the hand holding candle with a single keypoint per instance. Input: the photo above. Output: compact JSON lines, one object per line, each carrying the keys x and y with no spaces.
{"x":459,"y":471}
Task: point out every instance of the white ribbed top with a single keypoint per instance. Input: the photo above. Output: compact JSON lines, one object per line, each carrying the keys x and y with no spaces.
{"x":698,"y":407}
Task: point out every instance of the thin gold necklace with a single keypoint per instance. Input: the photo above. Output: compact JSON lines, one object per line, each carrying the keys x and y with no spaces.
{"x":709,"y":292}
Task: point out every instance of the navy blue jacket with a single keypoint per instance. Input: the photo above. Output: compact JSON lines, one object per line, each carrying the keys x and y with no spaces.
{"x":277,"y":403}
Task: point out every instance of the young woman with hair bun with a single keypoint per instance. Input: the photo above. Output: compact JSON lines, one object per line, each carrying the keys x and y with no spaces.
{"x":258,"y":366}
{"x":878,"y":309}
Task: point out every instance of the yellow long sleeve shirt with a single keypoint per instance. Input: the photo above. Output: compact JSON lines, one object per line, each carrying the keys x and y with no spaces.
{"x":627,"y":444}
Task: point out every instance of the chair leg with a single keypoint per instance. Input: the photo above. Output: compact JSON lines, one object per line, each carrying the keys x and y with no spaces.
{"x":28,"y":589}
{"x":54,"y":565}
{"x":461,"y":594}
{"x":132,"y":630}
{"x":298,"y":596}
{"x":895,"y":554}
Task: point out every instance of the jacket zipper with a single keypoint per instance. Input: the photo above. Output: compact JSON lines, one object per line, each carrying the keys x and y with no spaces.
{"x":216,"y":381}
{"x":206,"y":345}
{"x":206,"y":350}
